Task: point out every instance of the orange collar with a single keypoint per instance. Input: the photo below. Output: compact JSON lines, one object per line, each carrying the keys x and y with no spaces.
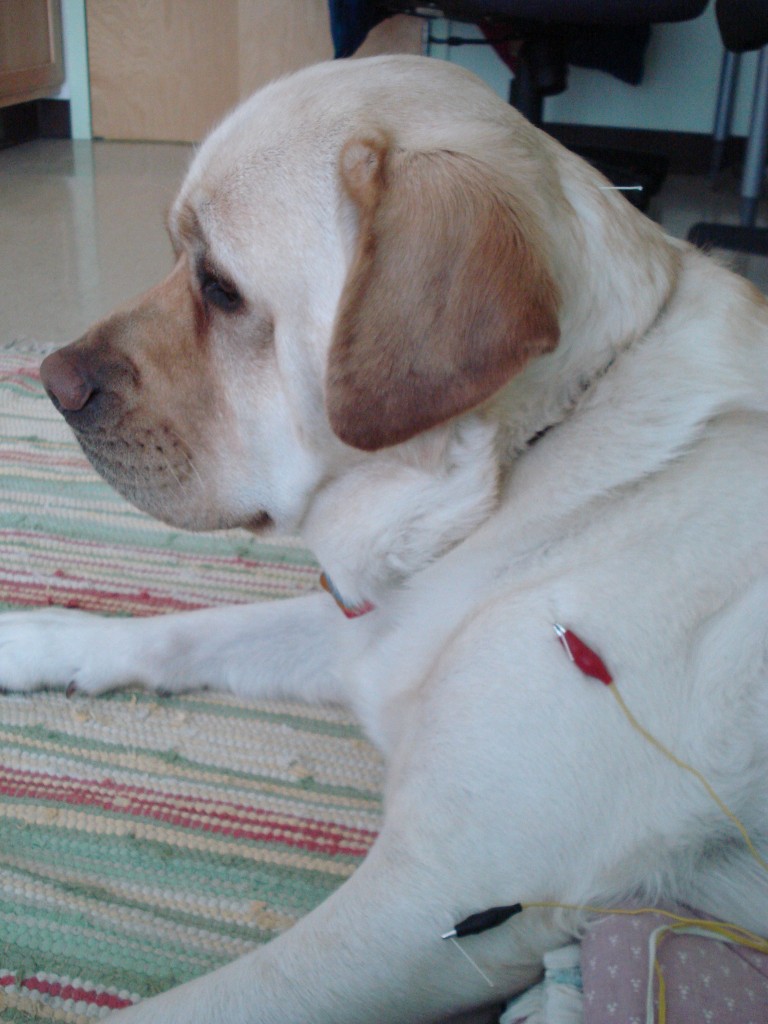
{"x":352,"y":611}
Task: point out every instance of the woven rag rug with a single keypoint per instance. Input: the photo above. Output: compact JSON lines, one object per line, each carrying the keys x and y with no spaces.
{"x":146,"y":840}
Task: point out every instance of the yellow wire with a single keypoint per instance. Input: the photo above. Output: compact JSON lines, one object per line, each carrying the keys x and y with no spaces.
{"x":727,"y":932}
{"x":731,"y":932}
{"x":662,"y":992}
{"x":692,"y":771}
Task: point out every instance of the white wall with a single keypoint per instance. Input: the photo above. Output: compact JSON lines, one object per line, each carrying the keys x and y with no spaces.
{"x":76,"y":86}
{"x":678,"y":91}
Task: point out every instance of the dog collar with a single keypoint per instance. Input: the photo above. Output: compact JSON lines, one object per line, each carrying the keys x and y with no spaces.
{"x":352,"y":611}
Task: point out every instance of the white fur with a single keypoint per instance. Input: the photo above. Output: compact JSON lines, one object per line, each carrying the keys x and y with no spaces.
{"x":637,"y":519}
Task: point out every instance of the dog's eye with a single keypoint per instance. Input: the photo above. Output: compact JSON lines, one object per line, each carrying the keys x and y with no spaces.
{"x":219,"y":293}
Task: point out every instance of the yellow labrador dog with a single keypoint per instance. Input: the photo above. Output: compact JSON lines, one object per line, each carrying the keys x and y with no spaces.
{"x":492,"y":397}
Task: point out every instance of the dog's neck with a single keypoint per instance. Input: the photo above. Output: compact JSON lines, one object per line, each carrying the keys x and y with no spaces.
{"x":376,"y":523}
{"x":390,"y":514}
{"x":412,"y":503}
{"x":606,"y":306}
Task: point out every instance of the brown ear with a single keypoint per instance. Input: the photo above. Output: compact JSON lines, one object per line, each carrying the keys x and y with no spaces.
{"x":448,"y":296}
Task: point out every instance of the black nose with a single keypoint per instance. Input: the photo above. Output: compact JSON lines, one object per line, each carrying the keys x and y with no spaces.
{"x":66,"y":381}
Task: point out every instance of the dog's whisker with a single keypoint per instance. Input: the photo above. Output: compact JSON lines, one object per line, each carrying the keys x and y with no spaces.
{"x":186,"y":449}
{"x":171,"y":470}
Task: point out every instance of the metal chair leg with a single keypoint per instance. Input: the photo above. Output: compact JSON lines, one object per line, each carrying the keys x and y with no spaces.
{"x":754,"y":161}
{"x":745,"y":237}
{"x":726,"y":95}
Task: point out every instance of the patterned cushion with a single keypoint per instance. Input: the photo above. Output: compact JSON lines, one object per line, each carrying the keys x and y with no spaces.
{"x":706,"y":980}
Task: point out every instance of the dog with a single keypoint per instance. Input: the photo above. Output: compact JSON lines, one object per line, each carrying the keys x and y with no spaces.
{"x":493,"y":398}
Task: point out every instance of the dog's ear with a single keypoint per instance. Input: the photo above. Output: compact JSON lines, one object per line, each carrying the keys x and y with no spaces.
{"x":447,"y":298}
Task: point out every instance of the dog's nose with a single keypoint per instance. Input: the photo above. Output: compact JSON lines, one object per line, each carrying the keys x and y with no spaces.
{"x":66,"y":381}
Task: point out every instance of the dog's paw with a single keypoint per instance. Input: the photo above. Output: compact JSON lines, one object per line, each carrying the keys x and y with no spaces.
{"x":55,"y":647}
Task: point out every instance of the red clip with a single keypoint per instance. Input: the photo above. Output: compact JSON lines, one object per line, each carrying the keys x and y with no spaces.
{"x":583,"y":657}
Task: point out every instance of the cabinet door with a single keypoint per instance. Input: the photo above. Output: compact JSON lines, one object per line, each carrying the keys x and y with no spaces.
{"x":31,"y":63}
{"x":170,"y":69}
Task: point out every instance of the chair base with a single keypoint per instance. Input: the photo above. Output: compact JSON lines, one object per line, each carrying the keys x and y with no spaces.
{"x":732,"y":237}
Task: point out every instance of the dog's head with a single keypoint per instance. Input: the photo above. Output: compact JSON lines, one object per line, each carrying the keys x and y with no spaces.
{"x":366,"y":251}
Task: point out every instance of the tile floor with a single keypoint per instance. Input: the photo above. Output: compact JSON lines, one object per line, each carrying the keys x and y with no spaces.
{"x":686,"y":199}
{"x":82,"y":229}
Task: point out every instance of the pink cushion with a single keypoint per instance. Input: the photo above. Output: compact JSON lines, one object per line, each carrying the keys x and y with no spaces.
{"x":706,"y":980}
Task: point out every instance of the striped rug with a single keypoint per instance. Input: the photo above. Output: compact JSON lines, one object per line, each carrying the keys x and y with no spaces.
{"x":146,"y":840}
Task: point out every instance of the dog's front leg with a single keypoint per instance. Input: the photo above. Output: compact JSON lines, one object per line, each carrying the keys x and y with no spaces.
{"x":370,"y":954}
{"x":276,"y":648}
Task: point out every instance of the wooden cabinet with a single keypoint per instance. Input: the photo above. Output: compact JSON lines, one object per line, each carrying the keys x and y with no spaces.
{"x":170,"y":69}
{"x":31,"y":62}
